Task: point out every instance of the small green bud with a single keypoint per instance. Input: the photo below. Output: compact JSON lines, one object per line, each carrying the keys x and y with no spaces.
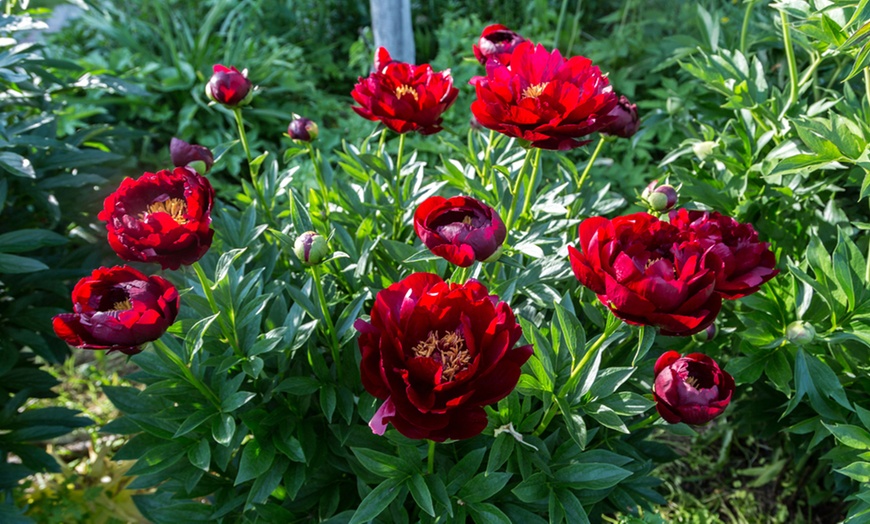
{"x":310,"y":248}
{"x":706,"y":335}
{"x":800,"y":332}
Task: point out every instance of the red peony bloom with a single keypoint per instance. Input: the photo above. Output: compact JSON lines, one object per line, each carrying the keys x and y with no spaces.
{"x":161,"y":217}
{"x":497,"y":42}
{"x":460,"y":229}
{"x":230,"y":87}
{"x":625,"y":120}
{"x":746,"y":262}
{"x":641,"y":271}
{"x":118,"y":309}
{"x":690,"y":389}
{"x":183,"y":154}
{"x":436,"y":353}
{"x":404,"y":97}
{"x":543,"y":98}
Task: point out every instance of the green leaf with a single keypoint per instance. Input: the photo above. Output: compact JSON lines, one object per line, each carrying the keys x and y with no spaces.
{"x":225,"y":263}
{"x":574,"y":512}
{"x":420,"y":491}
{"x":484,"y":513}
{"x":501,"y":450}
{"x":464,"y":470}
{"x":533,"y":489}
{"x":301,"y":386}
{"x":17,"y":165}
{"x":25,"y":240}
{"x":572,"y":330}
{"x":609,"y":380}
{"x":194,"y":421}
{"x":591,"y":475}
{"x":199,"y":455}
{"x":223,"y":428}
{"x":376,"y":501}
{"x":14,"y":265}
{"x":483,"y":486}
{"x":859,"y":471}
{"x":381,"y":464}
{"x":236,"y":400}
{"x":852,"y":436}
{"x":574,"y":422}
{"x":256,"y":460}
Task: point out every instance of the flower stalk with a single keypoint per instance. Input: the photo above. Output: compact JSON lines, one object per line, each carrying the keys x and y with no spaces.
{"x":209,"y":395}
{"x":327,"y":319}
{"x":430,"y":458}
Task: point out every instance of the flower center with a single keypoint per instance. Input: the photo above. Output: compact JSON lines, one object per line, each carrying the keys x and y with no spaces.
{"x":449,"y":351}
{"x":123,"y":305}
{"x":535,"y":90}
{"x":693,"y":381}
{"x":174,"y":207}
{"x":466,"y":220}
{"x":405,"y":89}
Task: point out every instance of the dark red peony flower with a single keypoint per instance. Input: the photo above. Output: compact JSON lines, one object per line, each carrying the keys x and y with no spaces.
{"x":197,"y":157}
{"x":161,"y":217}
{"x":436,"y":353}
{"x":626,"y":122}
{"x":639,"y":268}
{"x":460,"y":229}
{"x":690,"y":389}
{"x":230,"y":87}
{"x":404,"y":97}
{"x":118,"y":309}
{"x":746,"y":262}
{"x":497,"y":42}
{"x":543,"y":98}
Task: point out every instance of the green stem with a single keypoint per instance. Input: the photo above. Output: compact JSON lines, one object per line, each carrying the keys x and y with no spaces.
{"x":324,"y":310}
{"x":397,"y":186}
{"x":590,"y":162}
{"x":188,"y":375}
{"x":744,"y":31}
{"x":562,"y":12}
{"x":515,"y":190}
{"x":381,"y":141}
{"x":487,"y":159}
{"x":609,"y":329}
{"x":548,"y":417}
{"x":528,"y":199}
{"x":460,"y":274}
{"x":318,"y":173}
{"x":261,"y":196}
{"x":644,"y":423}
{"x":240,"y":124}
{"x":792,"y":64}
{"x":430,"y":460}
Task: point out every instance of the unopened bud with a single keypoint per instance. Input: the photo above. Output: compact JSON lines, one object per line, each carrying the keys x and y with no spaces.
{"x":800,"y":332}
{"x":707,"y":335}
{"x":660,"y":198}
{"x":703,"y":149}
{"x":311,"y":248}
{"x":303,"y":130}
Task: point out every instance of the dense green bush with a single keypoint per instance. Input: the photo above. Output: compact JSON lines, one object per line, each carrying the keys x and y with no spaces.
{"x":252,"y":409}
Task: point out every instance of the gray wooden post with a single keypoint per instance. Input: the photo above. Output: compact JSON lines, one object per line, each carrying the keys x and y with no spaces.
{"x":391,"y":25}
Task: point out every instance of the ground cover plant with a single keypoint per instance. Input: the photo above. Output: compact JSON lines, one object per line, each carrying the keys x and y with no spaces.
{"x":530,"y":285}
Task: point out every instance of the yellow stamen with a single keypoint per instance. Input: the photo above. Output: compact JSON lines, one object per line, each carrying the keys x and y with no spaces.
{"x":692,"y":381}
{"x":535,"y":91}
{"x":405,"y":89}
{"x":122,"y":306}
{"x":451,"y":352}
{"x":467,"y":220}
{"x":174,"y":207}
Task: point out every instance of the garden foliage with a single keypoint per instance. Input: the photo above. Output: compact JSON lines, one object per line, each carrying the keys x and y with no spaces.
{"x":322,"y":368}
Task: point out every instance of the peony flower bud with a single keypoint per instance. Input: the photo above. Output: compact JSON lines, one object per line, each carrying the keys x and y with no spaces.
{"x":303,"y":130}
{"x":707,"y":335}
{"x":497,"y":42}
{"x":229,"y":87}
{"x":310,"y":248}
{"x":691,"y":389}
{"x":625,"y":121}
{"x":659,"y":198}
{"x":197,"y":157}
{"x":800,"y":332}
